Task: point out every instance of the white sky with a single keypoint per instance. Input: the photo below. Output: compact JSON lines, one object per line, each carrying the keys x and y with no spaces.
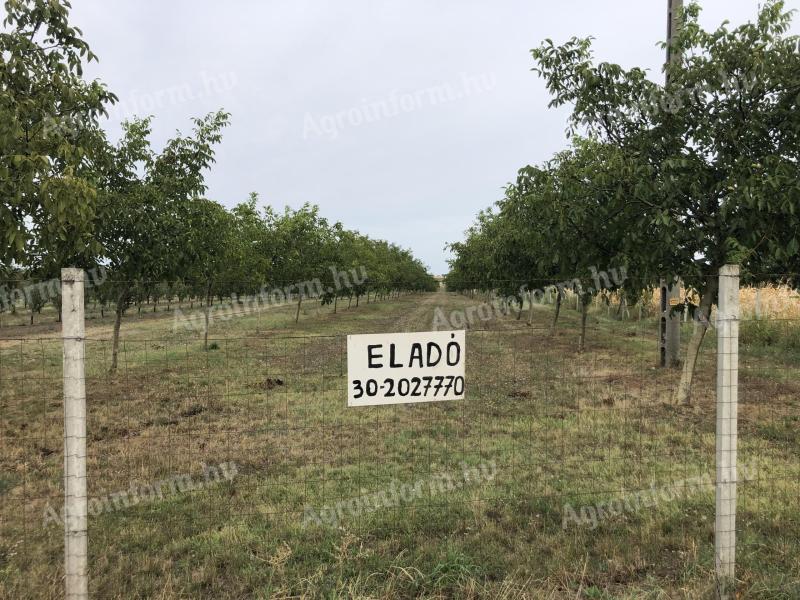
{"x":284,"y":69}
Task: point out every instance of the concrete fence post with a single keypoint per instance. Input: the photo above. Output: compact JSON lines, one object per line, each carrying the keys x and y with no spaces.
{"x":75,"y":499}
{"x":758,"y":302}
{"x":727,"y":414}
{"x":670,"y":324}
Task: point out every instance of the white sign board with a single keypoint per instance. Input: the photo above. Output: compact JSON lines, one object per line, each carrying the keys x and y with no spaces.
{"x":400,"y":368}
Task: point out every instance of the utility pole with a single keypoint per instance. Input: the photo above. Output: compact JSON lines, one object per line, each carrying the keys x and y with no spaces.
{"x":674,"y":10}
{"x":669,"y":338}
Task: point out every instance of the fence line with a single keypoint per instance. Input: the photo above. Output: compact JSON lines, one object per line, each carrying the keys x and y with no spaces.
{"x":582,"y":447}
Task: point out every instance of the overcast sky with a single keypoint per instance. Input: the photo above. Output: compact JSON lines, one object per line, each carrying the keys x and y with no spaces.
{"x":399,"y":119}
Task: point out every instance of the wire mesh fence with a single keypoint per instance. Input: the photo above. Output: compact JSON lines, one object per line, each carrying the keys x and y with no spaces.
{"x":238,"y":470}
{"x":769,"y":446}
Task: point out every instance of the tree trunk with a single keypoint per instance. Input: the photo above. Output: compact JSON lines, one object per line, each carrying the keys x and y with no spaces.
{"x":558,"y":308}
{"x":299,"y":302}
{"x":117,"y":323}
{"x":335,"y":300}
{"x":349,"y":300}
{"x":206,"y":313}
{"x":357,"y":297}
{"x":701,"y":324}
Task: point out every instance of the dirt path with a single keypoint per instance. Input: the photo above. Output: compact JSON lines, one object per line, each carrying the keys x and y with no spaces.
{"x":421,"y":317}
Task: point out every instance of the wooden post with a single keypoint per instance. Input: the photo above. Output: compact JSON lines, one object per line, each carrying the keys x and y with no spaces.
{"x":75,"y":500}
{"x":727,"y":414}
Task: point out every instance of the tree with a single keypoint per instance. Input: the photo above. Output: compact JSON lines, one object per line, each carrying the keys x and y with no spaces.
{"x":715,"y":151}
{"x":529,"y":239}
{"x":554,"y":227}
{"x":306,"y":244}
{"x":251,"y":248}
{"x":48,"y":134}
{"x":586,"y":215}
{"x":145,"y":217}
{"x":209,"y":244}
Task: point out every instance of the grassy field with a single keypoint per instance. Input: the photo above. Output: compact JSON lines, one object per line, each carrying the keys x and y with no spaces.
{"x":547,"y":429}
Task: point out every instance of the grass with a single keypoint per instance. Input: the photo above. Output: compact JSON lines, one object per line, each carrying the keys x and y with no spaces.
{"x":561,"y":427}
{"x":781,"y":335}
{"x":772,"y":302}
